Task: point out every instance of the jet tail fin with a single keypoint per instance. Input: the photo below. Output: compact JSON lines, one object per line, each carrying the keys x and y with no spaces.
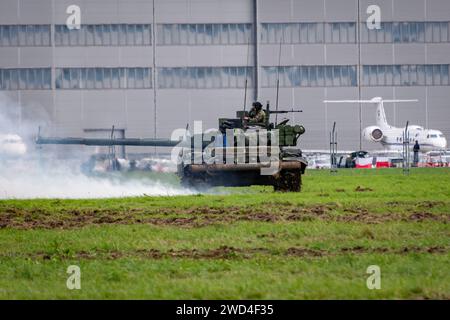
{"x":381,"y":115}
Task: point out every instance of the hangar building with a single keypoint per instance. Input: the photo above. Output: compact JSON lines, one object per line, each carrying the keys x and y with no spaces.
{"x":151,"y":66}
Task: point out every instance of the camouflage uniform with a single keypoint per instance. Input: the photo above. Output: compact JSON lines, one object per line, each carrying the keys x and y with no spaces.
{"x":257,"y":116}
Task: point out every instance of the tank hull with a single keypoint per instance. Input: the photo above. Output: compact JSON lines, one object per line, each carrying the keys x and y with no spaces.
{"x":286,"y":179}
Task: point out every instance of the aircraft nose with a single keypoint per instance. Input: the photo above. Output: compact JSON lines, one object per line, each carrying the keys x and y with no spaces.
{"x":444,"y":143}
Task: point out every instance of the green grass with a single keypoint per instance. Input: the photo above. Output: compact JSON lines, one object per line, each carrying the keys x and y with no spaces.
{"x":234,"y":243}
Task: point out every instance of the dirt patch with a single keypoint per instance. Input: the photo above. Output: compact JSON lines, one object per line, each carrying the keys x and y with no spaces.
{"x":264,"y":217}
{"x":223,"y":252}
{"x":227,"y":252}
{"x":422,"y":216}
{"x":362,"y":189}
{"x":403,"y":250}
{"x":359,"y":249}
{"x":304,"y":252}
{"x":430,"y":204}
{"x":204,"y":216}
{"x":325,"y":195}
{"x":437,"y":250}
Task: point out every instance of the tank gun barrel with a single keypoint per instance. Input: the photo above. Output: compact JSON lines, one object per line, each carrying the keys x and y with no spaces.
{"x":108,"y":142}
{"x":284,"y":111}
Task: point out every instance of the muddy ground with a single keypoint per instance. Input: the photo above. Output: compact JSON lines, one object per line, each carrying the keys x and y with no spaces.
{"x":226,"y":252}
{"x":202,"y":216}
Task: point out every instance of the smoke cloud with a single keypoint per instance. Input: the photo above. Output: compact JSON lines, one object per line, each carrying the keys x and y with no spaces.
{"x":40,"y":174}
{"x":72,"y":185}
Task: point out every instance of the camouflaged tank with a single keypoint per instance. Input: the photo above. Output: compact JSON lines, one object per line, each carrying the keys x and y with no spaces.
{"x":236,"y":154}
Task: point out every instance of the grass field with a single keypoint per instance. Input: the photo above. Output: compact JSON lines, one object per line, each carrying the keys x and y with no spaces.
{"x":248,"y":243}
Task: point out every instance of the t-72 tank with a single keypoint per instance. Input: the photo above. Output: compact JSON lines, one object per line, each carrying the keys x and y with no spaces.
{"x":238,"y":153}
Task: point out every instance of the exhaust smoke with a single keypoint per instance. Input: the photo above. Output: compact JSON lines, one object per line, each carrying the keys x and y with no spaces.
{"x":23,"y":182}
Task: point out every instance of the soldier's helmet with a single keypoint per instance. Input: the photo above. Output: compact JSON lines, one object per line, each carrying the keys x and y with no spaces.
{"x":257,"y":105}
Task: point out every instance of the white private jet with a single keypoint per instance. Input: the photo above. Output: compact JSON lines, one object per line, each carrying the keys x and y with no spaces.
{"x":392,"y":137}
{"x":11,"y":146}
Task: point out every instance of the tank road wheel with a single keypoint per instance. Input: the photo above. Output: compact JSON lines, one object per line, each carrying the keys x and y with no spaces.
{"x":196,"y":183}
{"x":288,"y":181}
{"x":186,"y":182}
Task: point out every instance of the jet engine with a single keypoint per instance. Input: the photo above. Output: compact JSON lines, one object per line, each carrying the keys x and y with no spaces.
{"x":373,"y":133}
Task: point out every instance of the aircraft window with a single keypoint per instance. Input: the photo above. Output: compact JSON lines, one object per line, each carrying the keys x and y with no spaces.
{"x":433,"y":136}
{"x":441,"y":135}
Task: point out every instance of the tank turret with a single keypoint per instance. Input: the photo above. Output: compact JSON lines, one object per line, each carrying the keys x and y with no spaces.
{"x":253,"y":152}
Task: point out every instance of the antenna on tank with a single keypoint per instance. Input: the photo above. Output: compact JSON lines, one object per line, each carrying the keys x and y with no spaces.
{"x":246,"y":74}
{"x":278,"y":80}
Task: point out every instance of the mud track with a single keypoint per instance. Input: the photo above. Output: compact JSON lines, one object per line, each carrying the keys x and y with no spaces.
{"x":202,"y":216}
{"x":226,"y":252}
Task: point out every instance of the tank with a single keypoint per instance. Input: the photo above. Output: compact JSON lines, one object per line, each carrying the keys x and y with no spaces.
{"x":238,"y":153}
{"x":240,"y":162}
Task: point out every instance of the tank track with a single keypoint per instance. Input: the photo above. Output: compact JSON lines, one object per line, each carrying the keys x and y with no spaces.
{"x":288,"y":181}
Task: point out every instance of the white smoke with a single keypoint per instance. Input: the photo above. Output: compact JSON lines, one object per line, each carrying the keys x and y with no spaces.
{"x":61,"y":183}
{"x":40,"y":174}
